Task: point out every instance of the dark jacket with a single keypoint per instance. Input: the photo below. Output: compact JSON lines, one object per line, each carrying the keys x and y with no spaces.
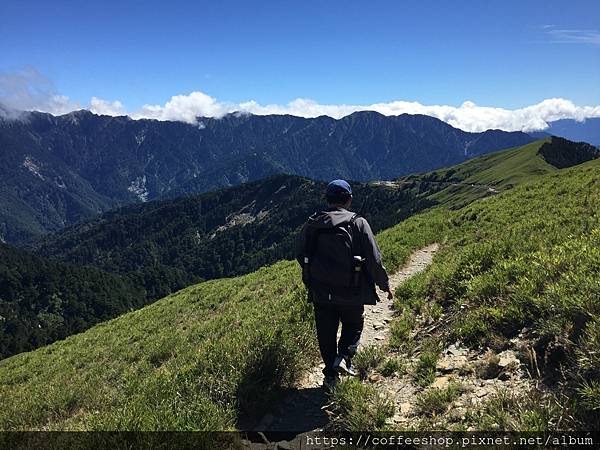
{"x":373,"y":271}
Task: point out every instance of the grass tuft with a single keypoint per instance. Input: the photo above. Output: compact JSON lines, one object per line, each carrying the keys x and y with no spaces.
{"x":358,"y":407}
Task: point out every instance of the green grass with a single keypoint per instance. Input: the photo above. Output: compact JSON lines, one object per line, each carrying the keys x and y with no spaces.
{"x":392,"y":366}
{"x":191,"y":361}
{"x":359,"y":406}
{"x":527,"y":258}
{"x":436,"y":401}
{"x":528,"y":412}
{"x":459,"y":185}
{"x":424,"y":371}
{"x":367,"y":360}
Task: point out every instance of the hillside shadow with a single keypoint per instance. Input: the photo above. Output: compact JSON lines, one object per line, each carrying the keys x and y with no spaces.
{"x":299,"y":411}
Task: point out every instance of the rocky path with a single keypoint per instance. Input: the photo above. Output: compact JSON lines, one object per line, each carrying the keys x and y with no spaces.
{"x":303,"y":408}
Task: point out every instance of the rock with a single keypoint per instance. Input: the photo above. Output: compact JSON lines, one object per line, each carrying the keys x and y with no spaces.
{"x":284,"y":445}
{"x":456,"y":351}
{"x":482,"y":393}
{"x":508,"y":360}
{"x":457,"y":414}
{"x":441,"y":382}
{"x":451,"y":364}
{"x":405,"y":408}
{"x":487,"y":367}
{"x":375,"y":378}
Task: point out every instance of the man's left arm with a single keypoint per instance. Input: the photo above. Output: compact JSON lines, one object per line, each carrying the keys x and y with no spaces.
{"x":372,"y":256}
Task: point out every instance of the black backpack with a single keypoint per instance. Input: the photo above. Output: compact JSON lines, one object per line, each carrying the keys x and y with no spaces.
{"x":332,"y":261}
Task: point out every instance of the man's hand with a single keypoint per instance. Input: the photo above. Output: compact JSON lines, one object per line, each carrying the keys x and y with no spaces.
{"x":390,"y":294}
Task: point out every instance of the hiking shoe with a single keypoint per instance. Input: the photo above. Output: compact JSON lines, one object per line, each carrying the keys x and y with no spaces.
{"x":343,"y":365}
{"x":330,"y":382}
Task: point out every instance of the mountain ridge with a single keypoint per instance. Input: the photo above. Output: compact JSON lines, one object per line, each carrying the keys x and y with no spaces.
{"x":57,"y":170}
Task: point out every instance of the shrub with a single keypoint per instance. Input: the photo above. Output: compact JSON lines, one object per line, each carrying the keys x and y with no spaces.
{"x":359,"y":407}
{"x":436,"y":401}
{"x":392,"y":366}
{"x":368,"y":359}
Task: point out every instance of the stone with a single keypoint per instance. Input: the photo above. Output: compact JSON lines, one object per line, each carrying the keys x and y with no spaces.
{"x":482,"y":393}
{"x":457,"y":414}
{"x":508,"y":360}
{"x":441,"y":382}
{"x":405,"y":408}
{"x":374,"y":378}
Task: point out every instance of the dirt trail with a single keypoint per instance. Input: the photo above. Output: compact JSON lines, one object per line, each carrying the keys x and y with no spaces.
{"x":302,"y":409}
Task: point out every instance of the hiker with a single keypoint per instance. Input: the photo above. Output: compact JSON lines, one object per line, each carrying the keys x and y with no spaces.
{"x":341,"y":263}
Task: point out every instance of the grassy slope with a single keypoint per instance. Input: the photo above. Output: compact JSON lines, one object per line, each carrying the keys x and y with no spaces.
{"x":501,"y":170}
{"x":528,"y":258}
{"x":511,"y":166}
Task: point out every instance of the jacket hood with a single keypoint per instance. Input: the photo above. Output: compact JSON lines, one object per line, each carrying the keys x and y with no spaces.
{"x":330,"y":218}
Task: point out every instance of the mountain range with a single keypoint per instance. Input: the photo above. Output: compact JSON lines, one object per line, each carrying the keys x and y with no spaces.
{"x":58,"y":170}
{"x":586,"y":131}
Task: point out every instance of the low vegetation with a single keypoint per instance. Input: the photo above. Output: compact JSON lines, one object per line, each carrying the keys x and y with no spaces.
{"x":359,"y":407}
{"x":191,"y":361}
{"x":527,"y":261}
{"x":368,"y":359}
{"x":437,"y":400}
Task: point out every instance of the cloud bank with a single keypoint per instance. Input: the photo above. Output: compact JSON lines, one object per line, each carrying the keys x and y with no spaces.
{"x":29,"y":90}
{"x":468,"y":116}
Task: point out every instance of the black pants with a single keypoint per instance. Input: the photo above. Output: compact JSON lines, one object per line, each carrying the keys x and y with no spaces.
{"x":327,"y":318}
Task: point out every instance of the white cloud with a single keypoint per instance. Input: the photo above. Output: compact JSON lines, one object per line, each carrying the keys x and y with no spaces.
{"x":184,"y":108}
{"x":468,"y":116}
{"x":28,"y":90}
{"x":105,"y":107}
{"x":572,"y":36}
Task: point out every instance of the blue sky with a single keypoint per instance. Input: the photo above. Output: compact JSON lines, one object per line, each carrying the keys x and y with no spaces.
{"x":506,"y":54}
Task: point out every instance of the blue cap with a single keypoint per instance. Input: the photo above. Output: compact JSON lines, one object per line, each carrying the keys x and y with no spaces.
{"x":337,"y":187}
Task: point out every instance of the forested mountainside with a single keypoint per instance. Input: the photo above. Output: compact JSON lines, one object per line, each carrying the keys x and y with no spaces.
{"x":55,"y":171}
{"x":43,"y":300}
{"x":516,"y":271}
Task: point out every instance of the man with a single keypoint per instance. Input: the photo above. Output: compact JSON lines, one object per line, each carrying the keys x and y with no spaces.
{"x":341,"y":263}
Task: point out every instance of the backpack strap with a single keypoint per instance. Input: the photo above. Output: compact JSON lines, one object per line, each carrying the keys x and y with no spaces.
{"x":354,"y":234}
